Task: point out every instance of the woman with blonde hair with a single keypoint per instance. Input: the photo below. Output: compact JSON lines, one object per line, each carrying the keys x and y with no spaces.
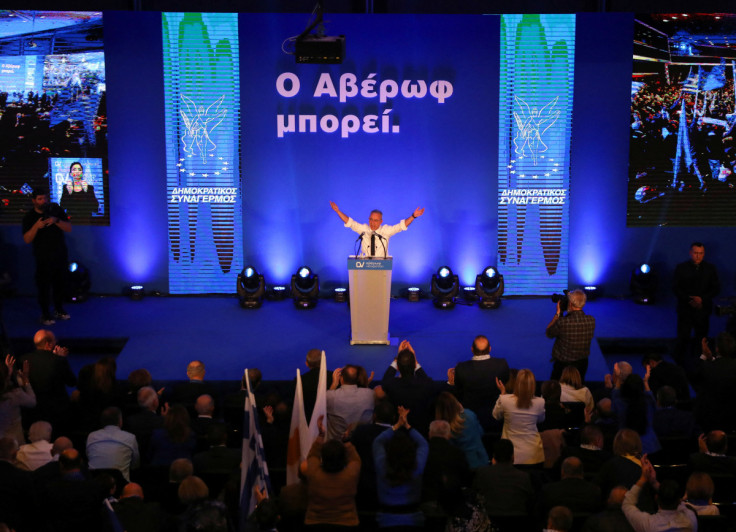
{"x":466,"y":429}
{"x":521,"y":411}
{"x":573,"y":389}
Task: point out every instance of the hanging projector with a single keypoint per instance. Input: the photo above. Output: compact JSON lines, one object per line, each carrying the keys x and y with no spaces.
{"x":318,"y":47}
{"x":315,"y":49}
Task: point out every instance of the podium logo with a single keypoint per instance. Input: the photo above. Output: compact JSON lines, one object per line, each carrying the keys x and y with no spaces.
{"x":359,"y":264}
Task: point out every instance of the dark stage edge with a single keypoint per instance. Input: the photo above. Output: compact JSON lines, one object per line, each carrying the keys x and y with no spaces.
{"x":165,"y":333}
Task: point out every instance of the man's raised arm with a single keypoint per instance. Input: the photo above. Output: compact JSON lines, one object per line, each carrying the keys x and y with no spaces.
{"x":342,"y":216}
{"x":416,"y":214}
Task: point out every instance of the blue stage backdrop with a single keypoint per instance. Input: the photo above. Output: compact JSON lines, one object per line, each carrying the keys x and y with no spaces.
{"x":536,"y":99}
{"x":201,"y":79}
{"x":409,"y":119}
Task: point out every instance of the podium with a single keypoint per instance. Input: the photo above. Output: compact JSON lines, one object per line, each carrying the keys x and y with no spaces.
{"x":370,"y":298}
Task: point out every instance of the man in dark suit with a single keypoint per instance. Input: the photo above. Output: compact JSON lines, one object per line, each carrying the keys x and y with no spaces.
{"x":590,"y":452}
{"x":444,"y":460}
{"x":186,"y":394}
{"x":712,"y":457}
{"x":218,"y":463}
{"x":669,"y":420}
{"x":572,"y":491}
{"x":413,"y":389}
{"x":664,"y":373}
{"x":310,"y":381}
{"x":505,"y":489}
{"x":716,"y":382}
{"x":18,"y":503}
{"x":384,"y":416}
{"x":50,"y":374}
{"x":474,"y":381}
{"x":146,"y":420}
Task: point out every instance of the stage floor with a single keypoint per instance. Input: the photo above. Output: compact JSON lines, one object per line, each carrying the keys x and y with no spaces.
{"x":164,"y":333}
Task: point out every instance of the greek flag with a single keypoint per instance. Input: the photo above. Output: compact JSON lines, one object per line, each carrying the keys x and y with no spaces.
{"x":716,"y":78}
{"x":254,"y":471}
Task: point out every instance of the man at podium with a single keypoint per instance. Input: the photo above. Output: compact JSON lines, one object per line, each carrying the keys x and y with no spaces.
{"x":373,"y":235}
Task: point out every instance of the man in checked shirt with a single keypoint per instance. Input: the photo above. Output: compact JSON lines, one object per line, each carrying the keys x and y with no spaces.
{"x":573,"y":333}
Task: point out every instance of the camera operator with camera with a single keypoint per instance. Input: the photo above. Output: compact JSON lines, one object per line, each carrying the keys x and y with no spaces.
{"x":572,"y":332}
{"x":44,"y":226}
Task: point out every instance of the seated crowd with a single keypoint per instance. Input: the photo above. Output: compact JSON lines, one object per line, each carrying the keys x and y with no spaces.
{"x":486,"y":449}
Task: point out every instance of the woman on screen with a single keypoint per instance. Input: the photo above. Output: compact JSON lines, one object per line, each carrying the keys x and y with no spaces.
{"x":78,"y":196}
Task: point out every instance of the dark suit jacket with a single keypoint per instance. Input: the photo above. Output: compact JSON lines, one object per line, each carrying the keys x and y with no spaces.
{"x":712,"y":464}
{"x":505,"y":489}
{"x":716,"y":400}
{"x":142,"y":426}
{"x":417,"y":394}
{"x":592,"y":460}
{"x":18,"y":501}
{"x":50,"y":374}
{"x":362,"y":438}
{"x":186,"y":394}
{"x":674,"y":422}
{"x":444,"y":459}
{"x":669,"y":374}
{"x":310,"y":382}
{"x":475,"y":386}
{"x":577,"y":494}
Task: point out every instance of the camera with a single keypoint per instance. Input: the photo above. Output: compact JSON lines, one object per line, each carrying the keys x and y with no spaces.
{"x":562,"y":298}
{"x":52,"y":210}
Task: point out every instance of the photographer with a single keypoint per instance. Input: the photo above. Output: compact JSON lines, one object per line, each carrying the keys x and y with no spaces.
{"x":44,"y":226}
{"x":573,"y":333}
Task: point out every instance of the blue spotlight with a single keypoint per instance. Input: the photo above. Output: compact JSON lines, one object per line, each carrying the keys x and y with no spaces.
{"x":305,"y":288}
{"x":251,"y":288}
{"x":341,"y":294}
{"x":136,"y":292}
{"x":78,"y":282}
{"x":413,"y":293}
{"x":489,"y":287}
{"x":643,"y":285}
{"x":445,"y":287}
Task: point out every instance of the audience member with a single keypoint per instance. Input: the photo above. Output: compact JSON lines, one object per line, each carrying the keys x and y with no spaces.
{"x":665,"y":373}
{"x":612,"y":519}
{"x":559,"y":520}
{"x":466,"y":430}
{"x":573,"y":389}
{"x":699,"y":494}
{"x":471,"y":377}
{"x":37,"y":453}
{"x":49,"y":374}
{"x":174,"y":440}
{"x":572,"y":491}
{"x":711,"y":456}
{"x":310,"y":381}
{"x":556,"y":415}
{"x":624,"y":467}
{"x":201,"y":513}
{"x":672,"y":514}
{"x":146,"y":419}
{"x":521,"y":412}
{"x":669,"y":420}
{"x":218,"y":462}
{"x":400,"y":456}
{"x":333,"y":468}
{"x":186,"y":393}
{"x":384,"y":416}
{"x":136,"y":515}
{"x":111,"y":447}
{"x":12,"y":398}
{"x":634,"y":405}
{"x":97,"y":389}
{"x":347,"y":405}
{"x":443,"y":461}
{"x":18,"y":504}
{"x":412,"y":389}
{"x":505,"y":489}
{"x":590,"y":452}
{"x":716,"y":381}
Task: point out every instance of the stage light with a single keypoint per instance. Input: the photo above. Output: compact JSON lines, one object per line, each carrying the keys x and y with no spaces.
{"x":591,"y":292}
{"x":250,"y":287}
{"x":136,"y":292}
{"x":77,"y":283}
{"x":341,"y":295}
{"x":469,"y":293}
{"x":413,"y":294}
{"x":489,"y":288}
{"x":305,"y":288}
{"x":445,"y":286}
{"x":277,"y":293}
{"x":643,"y":285}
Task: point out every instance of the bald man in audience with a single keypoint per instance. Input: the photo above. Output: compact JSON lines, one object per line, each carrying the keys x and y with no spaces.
{"x":572,"y":491}
{"x":712,"y":457}
{"x":146,"y":420}
{"x":186,"y":393}
{"x":50,"y":374}
{"x":134,"y":513}
{"x":52,"y":470}
{"x":204,"y":406}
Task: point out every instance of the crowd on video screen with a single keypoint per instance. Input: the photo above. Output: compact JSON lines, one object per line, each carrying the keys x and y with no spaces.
{"x":65,"y":118}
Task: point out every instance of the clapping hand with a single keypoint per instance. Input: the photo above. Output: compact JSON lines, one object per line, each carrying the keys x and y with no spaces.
{"x":500,"y":386}
{"x":418,"y":212}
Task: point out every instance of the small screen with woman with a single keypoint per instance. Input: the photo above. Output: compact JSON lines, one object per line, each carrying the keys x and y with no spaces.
{"x":77,"y":184}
